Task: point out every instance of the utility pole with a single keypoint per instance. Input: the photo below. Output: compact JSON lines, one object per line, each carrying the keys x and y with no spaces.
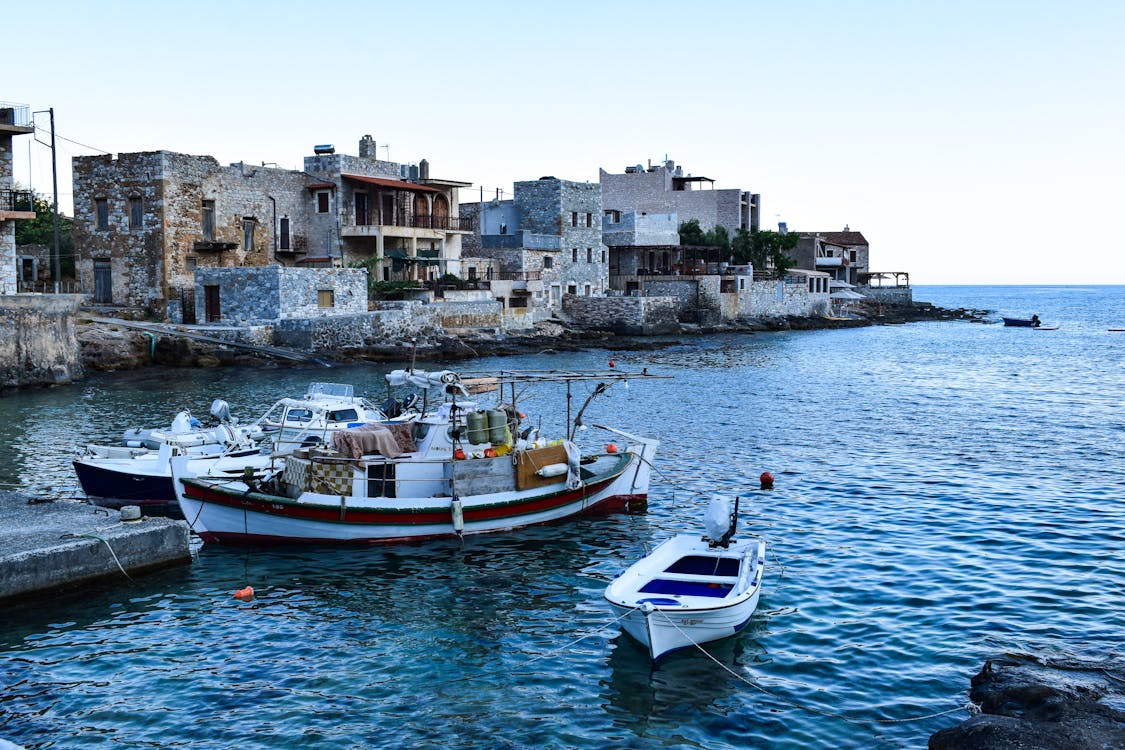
{"x":55,"y":206}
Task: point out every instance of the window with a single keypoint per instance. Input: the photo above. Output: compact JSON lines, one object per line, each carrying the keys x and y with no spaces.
{"x":852,"y":253}
{"x":248,"y":224}
{"x":191,"y":263}
{"x":574,"y":255}
{"x":283,"y":233}
{"x":101,"y":213}
{"x":589,"y":255}
{"x":548,"y":261}
{"x":208,"y":220}
{"x":572,"y":289}
{"x":586,"y":290}
{"x":614,"y":217}
{"x":322,"y":201}
{"x":472,"y":272}
{"x":136,"y":213}
{"x":574,"y":218}
{"x":589,"y":219}
{"x":325,"y":298}
{"x":603,"y":256}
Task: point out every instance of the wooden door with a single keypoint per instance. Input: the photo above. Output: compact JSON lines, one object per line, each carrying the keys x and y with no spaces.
{"x":211,"y":304}
{"x":103,"y":282}
{"x":187,"y":306}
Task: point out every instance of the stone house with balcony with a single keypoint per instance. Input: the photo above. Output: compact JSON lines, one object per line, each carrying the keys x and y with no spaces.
{"x":844,"y":256}
{"x":397,"y":218}
{"x":144,"y":222}
{"x":15,"y":120}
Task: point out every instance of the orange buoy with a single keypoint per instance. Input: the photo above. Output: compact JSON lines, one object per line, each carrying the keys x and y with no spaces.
{"x":767,"y":480}
{"x":244,"y":595}
{"x":490,"y":453}
{"x":611,"y":448}
{"x":459,"y":455}
{"x":611,"y":364}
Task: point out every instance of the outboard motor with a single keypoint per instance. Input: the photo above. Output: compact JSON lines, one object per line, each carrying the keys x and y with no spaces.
{"x":220,"y":410}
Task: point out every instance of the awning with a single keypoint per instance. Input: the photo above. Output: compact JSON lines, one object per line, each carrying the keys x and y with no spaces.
{"x":393,"y":184}
{"x":837,"y":284}
{"x":846,"y":294}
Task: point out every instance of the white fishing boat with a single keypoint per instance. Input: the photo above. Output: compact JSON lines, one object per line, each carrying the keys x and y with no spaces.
{"x":691,"y":589}
{"x":461,"y":469}
{"x":138,"y":472}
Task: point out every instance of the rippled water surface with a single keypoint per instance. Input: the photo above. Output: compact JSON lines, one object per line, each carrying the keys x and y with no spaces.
{"x":945,"y":492}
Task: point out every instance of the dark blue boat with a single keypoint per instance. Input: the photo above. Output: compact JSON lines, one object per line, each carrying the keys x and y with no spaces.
{"x":1032,"y":322}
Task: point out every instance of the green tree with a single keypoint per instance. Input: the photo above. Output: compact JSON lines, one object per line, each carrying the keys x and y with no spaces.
{"x":691,"y":234}
{"x":764,"y":250}
{"x":717,"y":237}
{"x":41,"y":231}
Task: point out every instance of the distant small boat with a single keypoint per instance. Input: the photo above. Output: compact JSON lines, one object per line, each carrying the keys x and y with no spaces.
{"x":691,"y":589}
{"x":1032,"y":322}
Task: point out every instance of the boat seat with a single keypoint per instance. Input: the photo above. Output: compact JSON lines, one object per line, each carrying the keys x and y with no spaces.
{"x":686,"y":588}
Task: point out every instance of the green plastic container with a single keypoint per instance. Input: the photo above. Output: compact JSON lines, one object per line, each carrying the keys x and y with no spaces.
{"x":478,"y":427}
{"x":497,"y":426}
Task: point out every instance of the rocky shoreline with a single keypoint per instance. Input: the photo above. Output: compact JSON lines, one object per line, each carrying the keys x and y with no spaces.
{"x":105,"y":348}
{"x":1052,"y":704}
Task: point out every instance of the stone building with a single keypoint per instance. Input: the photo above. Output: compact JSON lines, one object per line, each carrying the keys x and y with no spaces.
{"x":664,"y":189}
{"x":15,"y":119}
{"x":255,"y":296}
{"x":547,"y":241}
{"x":844,"y":256}
{"x":144,"y":222}
{"x":404,"y":223}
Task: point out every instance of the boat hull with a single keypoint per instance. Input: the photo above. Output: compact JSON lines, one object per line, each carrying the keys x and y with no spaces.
{"x":1020,"y":323}
{"x":675,"y":598}
{"x":229,"y":512}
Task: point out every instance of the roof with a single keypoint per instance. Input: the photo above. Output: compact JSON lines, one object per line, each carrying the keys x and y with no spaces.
{"x":843,"y":239}
{"x":396,"y":184}
{"x":321,"y":185}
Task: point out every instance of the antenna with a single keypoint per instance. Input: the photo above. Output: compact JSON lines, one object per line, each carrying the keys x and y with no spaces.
{"x":387,"y":146}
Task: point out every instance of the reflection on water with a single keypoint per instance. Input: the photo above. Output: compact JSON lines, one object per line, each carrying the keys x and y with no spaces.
{"x":944,"y":491}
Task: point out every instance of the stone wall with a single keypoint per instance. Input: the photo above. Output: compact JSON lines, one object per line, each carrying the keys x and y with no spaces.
{"x":897,"y":295}
{"x":470,"y":317}
{"x":651,"y":192}
{"x":633,"y":316}
{"x":38,"y":340}
{"x":257,"y":295}
{"x":151,"y":259}
{"x":778,"y":299}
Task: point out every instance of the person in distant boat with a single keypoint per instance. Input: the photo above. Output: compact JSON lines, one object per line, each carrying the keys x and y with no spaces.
{"x":1035,"y":321}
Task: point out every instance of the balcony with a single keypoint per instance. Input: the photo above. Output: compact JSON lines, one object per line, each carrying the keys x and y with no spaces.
{"x":520,"y":240}
{"x":15,"y":118}
{"x":16,"y":204}
{"x":369,"y":225}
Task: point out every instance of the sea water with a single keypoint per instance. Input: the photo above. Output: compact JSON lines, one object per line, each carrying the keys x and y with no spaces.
{"x":945,"y":492}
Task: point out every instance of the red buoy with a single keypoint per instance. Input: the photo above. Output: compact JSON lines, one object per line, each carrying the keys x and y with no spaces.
{"x":611,"y":364}
{"x":611,"y":448}
{"x":767,"y":480}
{"x":244,"y":595}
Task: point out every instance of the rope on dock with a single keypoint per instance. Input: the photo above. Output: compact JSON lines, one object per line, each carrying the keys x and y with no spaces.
{"x":107,"y":546}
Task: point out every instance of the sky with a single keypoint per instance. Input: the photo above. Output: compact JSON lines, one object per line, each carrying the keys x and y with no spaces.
{"x":978,"y":142}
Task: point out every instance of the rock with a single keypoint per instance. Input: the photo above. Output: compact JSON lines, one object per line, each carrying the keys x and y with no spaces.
{"x":105,"y":348}
{"x":1058,"y":705}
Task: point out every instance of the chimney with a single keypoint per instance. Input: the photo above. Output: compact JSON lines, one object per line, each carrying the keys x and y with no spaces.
{"x":367,"y":147}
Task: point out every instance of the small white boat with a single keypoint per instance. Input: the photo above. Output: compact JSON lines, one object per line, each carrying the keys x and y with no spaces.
{"x":691,"y":589}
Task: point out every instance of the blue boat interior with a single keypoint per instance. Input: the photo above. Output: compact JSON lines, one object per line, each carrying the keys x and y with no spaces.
{"x":699,"y":565}
{"x":686,"y":588}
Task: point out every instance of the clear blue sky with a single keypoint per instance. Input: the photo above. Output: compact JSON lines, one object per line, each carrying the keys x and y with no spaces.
{"x":971,"y":142}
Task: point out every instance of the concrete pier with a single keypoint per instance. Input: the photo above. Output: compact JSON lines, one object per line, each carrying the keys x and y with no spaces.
{"x":65,"y":544}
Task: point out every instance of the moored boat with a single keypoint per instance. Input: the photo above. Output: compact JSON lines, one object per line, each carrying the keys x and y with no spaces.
{"x":459,"y":470}
{"x":1032,"y":322}
{"x":691,"y":589}
{"x":138,"y":472}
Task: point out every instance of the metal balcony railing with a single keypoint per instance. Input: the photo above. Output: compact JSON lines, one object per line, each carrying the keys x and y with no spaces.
{"x":410,"y":219}
{"x":15,"y":114}
{"x":16,"y":200}
{"x":516,"y":276}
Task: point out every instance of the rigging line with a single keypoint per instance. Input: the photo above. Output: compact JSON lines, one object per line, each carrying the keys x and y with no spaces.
{"x":553,"y":652}
{"x":971,"y":707}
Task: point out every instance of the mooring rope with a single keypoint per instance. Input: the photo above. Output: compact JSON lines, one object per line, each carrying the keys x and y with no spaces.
{"x":540,"y":657}
{"x":107,"y":545}
{"x":971,"y":707}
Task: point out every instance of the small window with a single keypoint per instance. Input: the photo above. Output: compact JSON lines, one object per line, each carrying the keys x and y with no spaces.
{"x":589,"y":219}
{"x":574,"y":255}
{"x":572,"y":289}
{"x":322,"y":201}
{"x":325,"y":298}
{"x":343,"y":415}
{"x":208,"y":221}
{"x":548,"y":261}
{"x":472,"y":272}
{"x":283,"y":233}
{"x":589,"y":255}
{"x":852,"y":254}
{"x":248,"y":224}
{"x":136,"y":213}
{"x":574,"y":218}
{"x":603,"y":256}
{"x":614,"y":216}
{"x":191,"y":263}
{"x":587,"y":290}
{"x":101,"y":212}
